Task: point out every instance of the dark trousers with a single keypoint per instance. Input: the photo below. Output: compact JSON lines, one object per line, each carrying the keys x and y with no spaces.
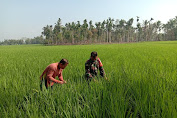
{"x":45,"y":81}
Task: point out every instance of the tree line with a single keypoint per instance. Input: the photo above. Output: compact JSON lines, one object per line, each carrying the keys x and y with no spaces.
{"x":107,"y":31}
{"x":35,"y":40}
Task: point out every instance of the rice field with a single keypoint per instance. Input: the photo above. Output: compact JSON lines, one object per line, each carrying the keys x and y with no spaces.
{"x":142,"y":81}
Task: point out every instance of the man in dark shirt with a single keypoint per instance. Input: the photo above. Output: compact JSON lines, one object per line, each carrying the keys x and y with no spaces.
{"x":92,"y":66}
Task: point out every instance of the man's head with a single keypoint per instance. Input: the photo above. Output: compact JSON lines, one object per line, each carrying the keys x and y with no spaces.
{"x":93,"y":56}
{"x":63,"y":63}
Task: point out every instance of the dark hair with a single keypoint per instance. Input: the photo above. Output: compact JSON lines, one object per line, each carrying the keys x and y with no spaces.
{"x":63,"y":61}
{"x":93,"y":54}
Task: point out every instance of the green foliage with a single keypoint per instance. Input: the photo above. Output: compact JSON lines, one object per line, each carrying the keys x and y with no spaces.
{"x":109,"y":31}
{"x":142,"y":81}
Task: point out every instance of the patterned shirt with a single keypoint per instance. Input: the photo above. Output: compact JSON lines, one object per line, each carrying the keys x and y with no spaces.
{"x":92,"y":67}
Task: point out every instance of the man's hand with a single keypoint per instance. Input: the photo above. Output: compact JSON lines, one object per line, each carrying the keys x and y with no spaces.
{"x":106,"y":78}
{"x":94,"y":80}
{"x":64,"y":82}
{"x":61,"y":82}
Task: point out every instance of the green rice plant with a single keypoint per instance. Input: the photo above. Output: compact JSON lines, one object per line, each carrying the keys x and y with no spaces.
{"x":141,"y":81}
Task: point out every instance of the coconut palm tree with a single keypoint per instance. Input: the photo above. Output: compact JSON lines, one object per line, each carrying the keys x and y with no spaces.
{"x":47,"y":32}
{"x":109,"y":26}
{"x":129,"y":28}
{"x":122,"y":29}
{"x":137,"y":28}
{"x":57,"y":30}
{"x":98,"y":27}
{"x":158,"y":26}
{"x":85,"y":29}
{"x":150,"y":30}
{"x":103,"y":31}
{"x":90,"y":32}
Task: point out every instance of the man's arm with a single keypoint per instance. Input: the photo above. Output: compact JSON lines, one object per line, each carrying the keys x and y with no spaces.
{"x":60,"y":77}
{"x":87,"y":71}
{"x":49,"y":76}
{"x":42,"y":74}
{"x":102,"y":72}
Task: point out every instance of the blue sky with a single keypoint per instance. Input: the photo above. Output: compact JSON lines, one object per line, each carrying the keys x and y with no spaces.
{"x":26,"y":18}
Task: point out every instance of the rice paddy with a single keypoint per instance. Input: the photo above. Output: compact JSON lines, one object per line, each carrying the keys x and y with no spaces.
{"x":142,"y":81}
